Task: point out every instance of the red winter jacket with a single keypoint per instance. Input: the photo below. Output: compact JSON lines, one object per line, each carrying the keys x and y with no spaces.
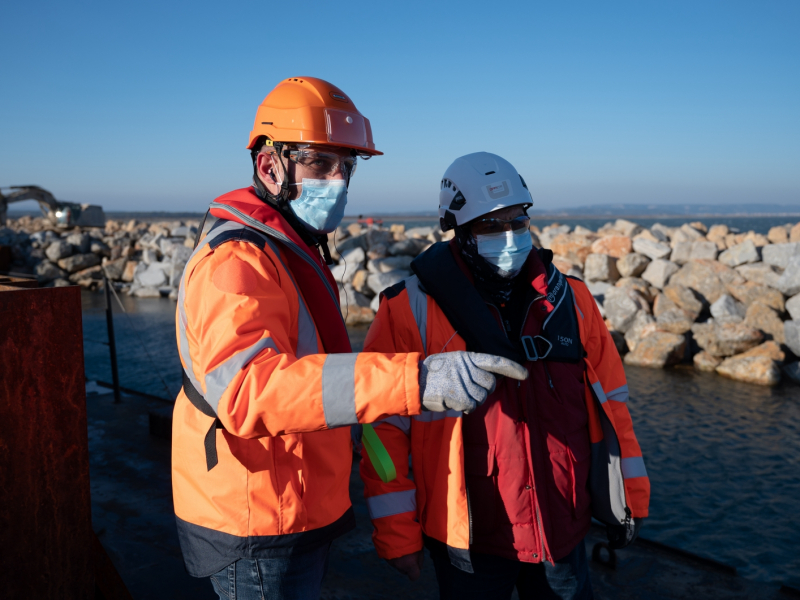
{"x":513,"y":478}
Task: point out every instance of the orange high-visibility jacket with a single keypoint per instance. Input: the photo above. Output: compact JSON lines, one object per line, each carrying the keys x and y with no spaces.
{"x":435,"y":502}
{"x":253,"y":344}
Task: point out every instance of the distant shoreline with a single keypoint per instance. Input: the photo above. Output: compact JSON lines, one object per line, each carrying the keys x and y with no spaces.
{"x":151,"y":216}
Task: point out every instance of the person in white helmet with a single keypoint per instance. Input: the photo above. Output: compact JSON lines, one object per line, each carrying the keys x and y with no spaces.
{"x":502,"y":495}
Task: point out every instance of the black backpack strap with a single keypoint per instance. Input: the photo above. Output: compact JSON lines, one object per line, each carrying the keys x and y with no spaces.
{"x":210,"y":441}
{"x":442,"y":278}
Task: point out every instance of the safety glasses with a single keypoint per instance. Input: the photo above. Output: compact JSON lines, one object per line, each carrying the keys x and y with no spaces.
{"x":323,"y":163}
{"x":488,"y":226}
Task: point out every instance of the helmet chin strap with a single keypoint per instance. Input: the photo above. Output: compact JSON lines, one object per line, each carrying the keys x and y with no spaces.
{"x":280,"y":201}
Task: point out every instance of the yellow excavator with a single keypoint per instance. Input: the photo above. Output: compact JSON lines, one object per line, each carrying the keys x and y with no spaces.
{"x":59,"y":213}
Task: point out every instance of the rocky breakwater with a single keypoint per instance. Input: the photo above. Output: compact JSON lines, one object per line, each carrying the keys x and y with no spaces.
{"x":719,"y":299}
{"x":143,"y":259}
{"x":723,"y":300}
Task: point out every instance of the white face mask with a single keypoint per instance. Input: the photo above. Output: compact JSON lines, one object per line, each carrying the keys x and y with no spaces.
{"x":507,"y":251}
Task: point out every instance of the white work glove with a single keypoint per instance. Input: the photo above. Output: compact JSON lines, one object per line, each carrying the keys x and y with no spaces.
{"x":462,"y":380}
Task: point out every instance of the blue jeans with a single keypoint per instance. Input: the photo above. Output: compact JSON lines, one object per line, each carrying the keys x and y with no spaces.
{"x":296,"y":577}
{"x":495,"y":578}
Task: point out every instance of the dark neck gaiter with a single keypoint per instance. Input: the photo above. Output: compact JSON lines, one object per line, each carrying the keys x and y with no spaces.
{"x":489,"y":279}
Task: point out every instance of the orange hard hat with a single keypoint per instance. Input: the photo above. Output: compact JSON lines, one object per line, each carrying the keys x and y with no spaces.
{"x":307,"y":110}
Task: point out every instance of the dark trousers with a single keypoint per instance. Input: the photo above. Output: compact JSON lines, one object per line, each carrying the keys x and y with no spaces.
{"x":495,"y":578}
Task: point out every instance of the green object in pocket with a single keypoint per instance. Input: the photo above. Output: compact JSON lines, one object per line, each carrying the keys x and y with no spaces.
{"x":378,"y":455}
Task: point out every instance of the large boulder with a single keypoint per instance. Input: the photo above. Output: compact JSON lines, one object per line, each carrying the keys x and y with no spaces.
{"x":115,"y":268}
{"x":684,"y":298}
{"x":766,"y":320}
{"x":703,"y":361}
{"x":726,"y":339}
{"x":600,"y":267}
{"x":662,"y":304}
{"x":47,"y":271}
{"x":627,"y":228}
{"x":356,"y":241}
{"x":572,"y":246}
{"x":651,"y":249}
{"x":707,"y":277}
{"x":408,"y":247}
{"x":392,"y":263}
{"x":359,"y":282}
{"x":78,"y":262}
{"x":642,"y":326}
{"x":551,"y":232}
{"x":155,"y":275}
{"x":752,"y":292}
{"x":791,"y":335}
{"x":746,"y":252}
{"x":727,"y":308}
{"x":760,"y":273}
{"x":632,"y":265}
{"x":675,"y":320}
{"x":770,"y":349}
{"x":99,"y":247}
{"x":681,"y":252}
{"x":704,"y":250}
{"x":81,"y":241}
{"x":661,"y":232}
{"x":613,"y":245}
{"x":378,"y":282}
{"x":87,"y":278}
{"x":779,"y":255}
{"x":658,"y":350}
{"x":639,"y":285}
{"x":659,"y":272}
{"x":760,"y":370}
{"x":789,"y":282}
{"x":717,"y":232}
{"x":130,"y":270}
{"x":778,"y":235}
{"x":58,"y":250}
{"x":621,"y":305}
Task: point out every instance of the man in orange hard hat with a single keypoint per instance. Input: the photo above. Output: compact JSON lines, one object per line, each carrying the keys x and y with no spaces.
{"x":261,"y":439}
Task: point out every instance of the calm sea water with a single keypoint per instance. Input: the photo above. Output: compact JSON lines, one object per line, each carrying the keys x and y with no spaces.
{"x":723,"y":457}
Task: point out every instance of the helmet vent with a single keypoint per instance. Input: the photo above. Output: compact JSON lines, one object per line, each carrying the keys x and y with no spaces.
{"x":489,"y":173}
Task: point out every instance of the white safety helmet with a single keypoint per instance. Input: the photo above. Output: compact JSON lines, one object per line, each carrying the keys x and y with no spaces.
{"x":477,"y":184}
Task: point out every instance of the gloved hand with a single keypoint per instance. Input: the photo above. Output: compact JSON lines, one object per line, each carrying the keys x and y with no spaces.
{"x":462,"y":380}
{"x":620,"y":536}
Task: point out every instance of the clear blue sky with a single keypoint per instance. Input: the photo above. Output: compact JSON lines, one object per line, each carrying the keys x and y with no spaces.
{"x":148,"y":105}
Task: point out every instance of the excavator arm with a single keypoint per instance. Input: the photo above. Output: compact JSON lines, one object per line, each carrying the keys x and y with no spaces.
{"x":63,"y":214}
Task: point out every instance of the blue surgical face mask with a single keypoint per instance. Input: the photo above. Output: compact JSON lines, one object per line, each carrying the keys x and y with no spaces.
{"x":507,"y":250}
{"x":321,"y":204}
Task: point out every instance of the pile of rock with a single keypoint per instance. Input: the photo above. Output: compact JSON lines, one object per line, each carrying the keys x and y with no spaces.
{"x":727,"y":301}
{"x":143,"y":259}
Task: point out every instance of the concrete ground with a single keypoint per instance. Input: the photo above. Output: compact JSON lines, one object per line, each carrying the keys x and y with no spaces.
{"x":133,"y":517}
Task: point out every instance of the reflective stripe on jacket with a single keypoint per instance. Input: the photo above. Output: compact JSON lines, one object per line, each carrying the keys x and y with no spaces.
{"x":435,"y":501}
{"x":250,"y":342}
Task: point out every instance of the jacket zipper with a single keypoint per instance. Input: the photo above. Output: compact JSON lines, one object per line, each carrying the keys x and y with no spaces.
{"x":283,"y":239}
{"x":520,"y":406}
{"x":469,"y":511}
